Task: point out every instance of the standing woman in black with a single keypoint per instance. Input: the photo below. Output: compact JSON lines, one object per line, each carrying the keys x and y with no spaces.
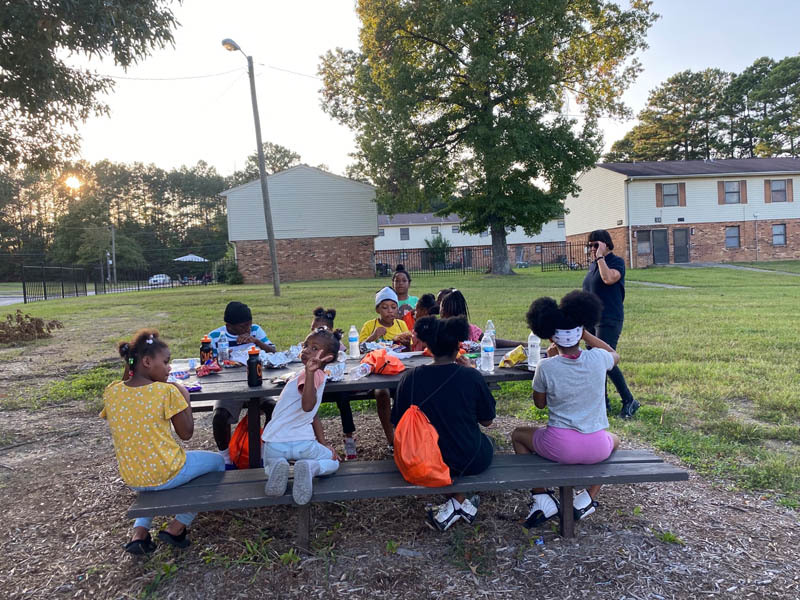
{"x":606,"y":278}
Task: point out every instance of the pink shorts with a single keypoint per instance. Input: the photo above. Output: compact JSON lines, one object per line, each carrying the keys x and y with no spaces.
{"x":571,"y":447}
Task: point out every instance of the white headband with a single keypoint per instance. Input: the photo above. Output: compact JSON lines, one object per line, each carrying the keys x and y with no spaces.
{"x":386,"y":293}
{"x":567,"y":338}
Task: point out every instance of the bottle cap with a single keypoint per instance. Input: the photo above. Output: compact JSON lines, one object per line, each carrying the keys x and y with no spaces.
{"x":253,"y":350}
{"x":205,"y":339}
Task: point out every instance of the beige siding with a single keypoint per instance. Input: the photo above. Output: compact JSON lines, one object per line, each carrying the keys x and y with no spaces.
{"x":600,"y":203}
{"x":306,"y":203}
{"x":702,"y":205}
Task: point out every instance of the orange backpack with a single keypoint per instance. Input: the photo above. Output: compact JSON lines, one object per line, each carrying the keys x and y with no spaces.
{"x":240,"y":445}
{"x":416,"y":447}
{"x":383,"y":364}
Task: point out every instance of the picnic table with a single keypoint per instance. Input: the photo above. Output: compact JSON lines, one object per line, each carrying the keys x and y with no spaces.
{"x":231,"y":384}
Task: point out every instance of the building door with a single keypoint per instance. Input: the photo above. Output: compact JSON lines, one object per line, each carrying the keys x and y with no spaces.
{"x":680,"y":245}
{"x":467,"y":258}
{"x":660,"y":246}
{"x":519,"y":254}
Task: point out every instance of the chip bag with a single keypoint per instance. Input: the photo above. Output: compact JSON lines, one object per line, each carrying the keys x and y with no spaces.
{"x":514,"y":357}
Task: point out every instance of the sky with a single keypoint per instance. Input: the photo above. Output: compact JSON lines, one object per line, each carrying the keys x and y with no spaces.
{"x":191,"y":101}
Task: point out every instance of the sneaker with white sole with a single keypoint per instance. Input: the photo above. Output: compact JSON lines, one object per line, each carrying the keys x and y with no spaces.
{"x":303,"y":484}
{"x":350,"y":452}
{"x":441,"y":517}
{"x":469,"y":509}
{"x":583,"y":505}
{"x":278,"y":478}
{"x":543,"y":507}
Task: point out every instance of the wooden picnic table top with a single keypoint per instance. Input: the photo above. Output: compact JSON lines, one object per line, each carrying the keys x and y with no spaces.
{"x":231,"y":383}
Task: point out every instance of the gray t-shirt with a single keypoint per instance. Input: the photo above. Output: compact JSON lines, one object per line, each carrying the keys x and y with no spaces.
{"x":575,"y":389}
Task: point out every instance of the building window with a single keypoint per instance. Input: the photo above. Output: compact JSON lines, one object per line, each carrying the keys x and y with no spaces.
{"x":643,"y":242}
{"x":732,"y":237}
{"x":732,"y":192}
{"x":455,"y":229}
{"x":538,"y":249}
{"x":404,"y":256}
{"x":435,"y":229}
{"x":778,"y":190}
{"x":381,"y":232}
{"x":487,"y":251}
{"x":485,"y":233}
{"x":779,"y":235}
{"x":561,"y":224}
{"x":670,"y":194}
{"x":404,"y":233}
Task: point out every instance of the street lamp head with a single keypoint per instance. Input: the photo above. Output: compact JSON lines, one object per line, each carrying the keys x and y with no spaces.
{"x":230,"y":45}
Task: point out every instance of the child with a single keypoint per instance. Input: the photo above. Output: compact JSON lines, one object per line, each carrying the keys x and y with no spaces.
{"x":571,"y":383}
{"x":455,"y":305}
{"x":139,"y":410}
{"x":295,"y":432}
{"x":455,"y":398}
{"x":239,"y":330}
{"x":324,"y":319}
{"x":386,"y":327}
{"x":401,"y":281}
{"x":425,"y":308}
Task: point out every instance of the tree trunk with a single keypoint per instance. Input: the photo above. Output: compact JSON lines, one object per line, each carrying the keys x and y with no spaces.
{"x":500,"y":264}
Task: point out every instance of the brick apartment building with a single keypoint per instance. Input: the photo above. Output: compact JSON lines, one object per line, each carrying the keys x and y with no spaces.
{"x":691,"y":211}
{"x":324,"y":226}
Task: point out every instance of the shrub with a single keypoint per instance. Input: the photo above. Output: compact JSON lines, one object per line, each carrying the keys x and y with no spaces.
{"x":21,"y":327}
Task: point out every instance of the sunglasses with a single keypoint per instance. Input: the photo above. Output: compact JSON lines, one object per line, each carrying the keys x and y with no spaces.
{"x":594,"y":245}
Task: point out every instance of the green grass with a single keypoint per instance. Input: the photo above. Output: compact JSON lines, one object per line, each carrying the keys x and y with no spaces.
{"x":714,"y":365}
{"x":8,"y":288}
{"x":792,"y":266}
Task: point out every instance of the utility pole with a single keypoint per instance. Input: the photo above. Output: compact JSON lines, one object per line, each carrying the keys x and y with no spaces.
{"x":114,"y":252}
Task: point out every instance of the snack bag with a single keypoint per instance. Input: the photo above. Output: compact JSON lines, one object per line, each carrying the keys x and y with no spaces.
{"x":514,"y":357}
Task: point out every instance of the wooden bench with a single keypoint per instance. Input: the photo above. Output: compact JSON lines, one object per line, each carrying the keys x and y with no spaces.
{"x":380,"y":479}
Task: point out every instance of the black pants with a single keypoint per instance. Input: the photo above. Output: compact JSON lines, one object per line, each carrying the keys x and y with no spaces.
{"x":348,"y":426}
{"x":609,"y":332}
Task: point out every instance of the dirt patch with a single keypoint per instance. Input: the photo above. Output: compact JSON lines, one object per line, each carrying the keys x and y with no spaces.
{"x":64,"y":524}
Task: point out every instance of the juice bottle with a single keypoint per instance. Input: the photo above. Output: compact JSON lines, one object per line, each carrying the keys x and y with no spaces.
{"x":254,"y":367}
{"x":206,"y":351}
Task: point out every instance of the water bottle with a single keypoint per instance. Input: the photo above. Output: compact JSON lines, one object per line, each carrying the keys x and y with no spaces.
{"x":491,"y":331}
{"x":360,"y":372}
{"x":487,"y":353}
{"x":223,"y":349}
{"x":534,"y":344}
{"x":352,"y":337}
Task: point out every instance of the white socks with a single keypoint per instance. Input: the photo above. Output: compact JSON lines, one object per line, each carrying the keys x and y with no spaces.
{"x":226,"y":455}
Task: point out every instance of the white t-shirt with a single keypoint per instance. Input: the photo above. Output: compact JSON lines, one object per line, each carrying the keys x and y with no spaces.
{"x":576,"y":389}
{"x":289,"y":422}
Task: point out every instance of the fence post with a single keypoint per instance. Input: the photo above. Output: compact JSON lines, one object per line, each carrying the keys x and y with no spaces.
{"x":44,"y":282}
{"x":463,"y":262}
{"x":62,"y":283}
{"x":24,"y":287}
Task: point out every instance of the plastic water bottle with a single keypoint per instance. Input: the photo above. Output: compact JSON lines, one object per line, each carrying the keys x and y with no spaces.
{"x":360,"y":372}
{"x":352,"y":337}
{"x":492,"y":331}
{"x":487,"y":353}
{"x":534,"y":344}
{"x":223,"y":349}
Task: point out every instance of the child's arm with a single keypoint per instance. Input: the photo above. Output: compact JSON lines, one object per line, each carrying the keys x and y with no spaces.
{"x":596,"y":342}
{"x":309,"y":398}
{"x":183,"y":422}
{"x":539,"y":399}
{"x":319,"y":433}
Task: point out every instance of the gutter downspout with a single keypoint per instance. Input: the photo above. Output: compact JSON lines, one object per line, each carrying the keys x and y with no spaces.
{"x":628,"y":220}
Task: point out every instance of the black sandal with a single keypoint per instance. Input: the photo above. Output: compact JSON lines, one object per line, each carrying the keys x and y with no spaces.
{"x":177,"y":541}
{"x":140,"y":547}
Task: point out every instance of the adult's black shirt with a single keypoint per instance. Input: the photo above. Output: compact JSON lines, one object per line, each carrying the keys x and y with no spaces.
{"x":454,"y":398}
{"x":612,"y":295}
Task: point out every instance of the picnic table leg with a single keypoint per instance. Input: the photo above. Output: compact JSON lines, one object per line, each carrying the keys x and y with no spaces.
{"x":304,"y":527}
{"x":567,"y":526}
{"x":254,"y":432}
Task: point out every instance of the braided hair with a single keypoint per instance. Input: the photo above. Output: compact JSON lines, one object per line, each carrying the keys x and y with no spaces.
{"x":145,"y":342}
{"x":442,"y":335}
{"x":324,"y":316}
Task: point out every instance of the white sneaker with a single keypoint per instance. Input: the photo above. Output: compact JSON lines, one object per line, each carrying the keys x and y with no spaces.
{"x":543,"y":507}
{"x":583,"y":505}
{"x":441,"y":517}
{"x":278,"y":478}
{"x":303,"y":483}
{"x":469,"y":509}
{"x":350,"y":452}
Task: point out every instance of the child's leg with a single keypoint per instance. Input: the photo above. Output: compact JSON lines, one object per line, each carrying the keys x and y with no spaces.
{"x":312,"y":459}
{"x":594,"y":489}
{"x":226,"y":413}
{"x":276,"y":467}
{"x":346,"y":414}
{"x":384,"y":401}
{"x":522,"y":440}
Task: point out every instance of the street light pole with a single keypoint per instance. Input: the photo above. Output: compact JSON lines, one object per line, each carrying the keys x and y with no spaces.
{"x":229,"y":44}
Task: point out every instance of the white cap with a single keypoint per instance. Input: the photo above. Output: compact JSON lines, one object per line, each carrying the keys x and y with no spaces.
{"x":386,"y":293}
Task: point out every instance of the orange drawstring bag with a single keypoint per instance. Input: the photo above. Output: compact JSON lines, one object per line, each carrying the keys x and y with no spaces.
{"x":239,"y":446}
{"x":409,"y":320}
{"x":416,"y":447}
{"x":383,"y":364}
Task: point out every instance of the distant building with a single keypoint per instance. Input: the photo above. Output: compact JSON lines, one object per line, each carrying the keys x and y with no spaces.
{"x":324,"y":226}
{"x":407,"y":231}
{"x":691,"y":211}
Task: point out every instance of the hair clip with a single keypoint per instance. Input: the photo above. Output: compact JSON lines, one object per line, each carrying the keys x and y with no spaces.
{"x":130,"y":361}
{"x":150,"y":340}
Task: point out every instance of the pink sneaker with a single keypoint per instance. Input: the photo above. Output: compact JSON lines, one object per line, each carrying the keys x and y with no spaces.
{"x":350,"y":452}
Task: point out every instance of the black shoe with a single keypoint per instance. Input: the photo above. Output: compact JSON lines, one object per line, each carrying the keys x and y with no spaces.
{"x":140,"y":547}
{"x":177,"y":541}
{"x":629,"y":409}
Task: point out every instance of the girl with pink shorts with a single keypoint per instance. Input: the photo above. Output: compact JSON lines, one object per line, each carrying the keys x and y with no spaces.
{"x":571,"y":383}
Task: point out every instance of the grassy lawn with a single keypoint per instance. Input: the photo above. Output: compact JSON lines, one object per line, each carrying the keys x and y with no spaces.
{"x":714,"y":365}
{"x":9,"y":288}
{"x":793,"y":266}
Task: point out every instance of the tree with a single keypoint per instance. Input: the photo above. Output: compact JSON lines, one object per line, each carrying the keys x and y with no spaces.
{"x":42,"y":98}
{"x":276,"y":158}
{"x":463,"y":101}
{"x":438,"y":250}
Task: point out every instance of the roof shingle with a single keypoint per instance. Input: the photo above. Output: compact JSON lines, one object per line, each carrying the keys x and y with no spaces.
{"x":682,"y":168}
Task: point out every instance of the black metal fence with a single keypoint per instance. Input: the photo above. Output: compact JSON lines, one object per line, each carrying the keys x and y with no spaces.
{"x":565,"y":257}
{"x":40,"y":282}
{"x":475,"y":259}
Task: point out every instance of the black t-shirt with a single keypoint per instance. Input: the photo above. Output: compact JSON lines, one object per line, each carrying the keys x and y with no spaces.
{"x":612,"y":295}
{"x":454,"y":398}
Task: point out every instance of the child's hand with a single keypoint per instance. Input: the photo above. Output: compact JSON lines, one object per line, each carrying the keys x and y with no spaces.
{"x":334,"y":454}
{"x":317,"y":361}
{"x":245,"y":338}
{"x":379,"y":332}
{"x":404,"y":339}
{"x":552,"y":350}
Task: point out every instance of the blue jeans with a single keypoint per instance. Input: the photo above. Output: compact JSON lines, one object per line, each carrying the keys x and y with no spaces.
{"x":609,"y":332}
{"x":198,"y":462}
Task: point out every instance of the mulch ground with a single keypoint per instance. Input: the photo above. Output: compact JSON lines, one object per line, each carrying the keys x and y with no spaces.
{"x":63,"y":526}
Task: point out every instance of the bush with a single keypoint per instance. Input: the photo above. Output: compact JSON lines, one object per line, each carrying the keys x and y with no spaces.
{"x":21,"y":327}
{"x":232,"y":275}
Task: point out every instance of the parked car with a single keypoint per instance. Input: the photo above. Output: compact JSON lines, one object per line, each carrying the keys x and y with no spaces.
{"x":160,"y":279}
